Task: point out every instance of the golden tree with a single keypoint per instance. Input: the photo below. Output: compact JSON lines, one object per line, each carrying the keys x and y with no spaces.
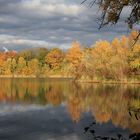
{"x":55,"y":58}
{"x":74,"y":56}
{"x":33,"y":65}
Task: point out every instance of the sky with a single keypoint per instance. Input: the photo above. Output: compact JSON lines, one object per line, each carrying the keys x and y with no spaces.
{"x":52,"y":23}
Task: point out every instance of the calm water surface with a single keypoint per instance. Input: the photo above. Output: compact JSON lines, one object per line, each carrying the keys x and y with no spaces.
{"x":58,"y":109}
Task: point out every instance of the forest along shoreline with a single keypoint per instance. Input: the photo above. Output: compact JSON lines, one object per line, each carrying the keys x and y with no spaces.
{"x":103,"y":62}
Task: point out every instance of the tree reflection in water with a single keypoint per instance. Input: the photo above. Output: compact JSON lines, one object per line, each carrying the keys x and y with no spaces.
{"x":134,"y":112}
{"x":116,"y":103}
{"x":90,"y":129}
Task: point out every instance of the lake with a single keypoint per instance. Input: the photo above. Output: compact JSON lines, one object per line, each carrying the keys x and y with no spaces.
{"x":59,"y":109}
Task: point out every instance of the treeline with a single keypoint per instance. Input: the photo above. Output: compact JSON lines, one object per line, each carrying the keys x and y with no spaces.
{"x":118,"y":60}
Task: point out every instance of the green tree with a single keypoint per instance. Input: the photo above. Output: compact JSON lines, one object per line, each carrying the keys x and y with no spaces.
{"x":41,"y":54}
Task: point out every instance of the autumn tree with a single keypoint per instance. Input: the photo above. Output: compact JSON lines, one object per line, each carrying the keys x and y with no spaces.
{"x":7,"y":66}
{"x":1,"y":65}
{"x":74,"y":56}
{"x":134,"y":54}
{"x":55,"y":58}
{"x":107,"y":60}
{"x":102,"y":54}
{"x":33,"y":65}
{"x":10,"y":54}
{"x":134,"y":59}
{"x":21,"y":66}
{"x":13,"y":65}
{"x":26,"y":54}
{"x":119,"y":62}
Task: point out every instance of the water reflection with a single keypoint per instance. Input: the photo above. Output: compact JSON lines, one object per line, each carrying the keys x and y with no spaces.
{"x":116,"y":103}
{"x":90,"y":129}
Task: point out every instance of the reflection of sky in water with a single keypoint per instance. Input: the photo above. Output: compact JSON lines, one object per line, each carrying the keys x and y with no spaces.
{"x":6,"y":109}
{"x":49,"y":123}
{"x":9,"y":108}
{"x":38,"y":123}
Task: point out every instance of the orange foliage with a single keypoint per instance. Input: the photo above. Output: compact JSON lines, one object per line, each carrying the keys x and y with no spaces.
{"x":54,"y":96}
{"x":74,"y":54}
{"x":102,"y":117}
{"x":133,"y":35}
{"x":74,"y":109}
{"x":5,"y":56}
{"x":1,"y":62}
{"x":54,"y":58}
{"x":2,"y":96}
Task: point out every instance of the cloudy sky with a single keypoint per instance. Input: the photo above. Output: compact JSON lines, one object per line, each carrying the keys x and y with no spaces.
{"x":51,"y":23}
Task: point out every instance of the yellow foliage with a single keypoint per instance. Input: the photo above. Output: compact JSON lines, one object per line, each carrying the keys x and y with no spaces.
{"x":55,"y":58}
{"x":7,"y":72}
{"x":1,"y":62}
{"x":74,"y":54}
{"x":33,"y":66}
{"x":134,"y":57}
{"x":134,"y":34}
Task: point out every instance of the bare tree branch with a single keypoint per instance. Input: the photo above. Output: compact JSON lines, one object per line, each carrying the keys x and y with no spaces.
{"x":112,"y":10}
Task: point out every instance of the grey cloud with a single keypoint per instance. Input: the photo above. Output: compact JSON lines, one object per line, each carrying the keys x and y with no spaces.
{"x":30,"y":23}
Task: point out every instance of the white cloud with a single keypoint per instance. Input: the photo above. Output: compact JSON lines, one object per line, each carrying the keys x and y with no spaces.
{"x":9,"y":42}
{"x":14,"y":40}
{"x":42,"y":7}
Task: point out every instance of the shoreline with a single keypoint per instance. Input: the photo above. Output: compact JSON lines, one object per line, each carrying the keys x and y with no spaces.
{"x":33,"y":76}
{"x":130,"y":81}
{"x":110,"y":82}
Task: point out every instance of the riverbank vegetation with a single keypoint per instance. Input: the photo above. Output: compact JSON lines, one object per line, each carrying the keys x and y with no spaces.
{"x":118,"y":60}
